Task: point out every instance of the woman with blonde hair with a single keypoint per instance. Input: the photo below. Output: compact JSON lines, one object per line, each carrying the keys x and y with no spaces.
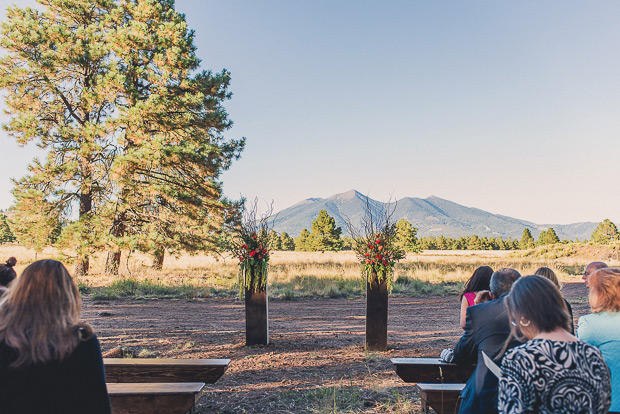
{"x":550,"y":274}
{"x":50,"y":361}
{"x":602,"y":327}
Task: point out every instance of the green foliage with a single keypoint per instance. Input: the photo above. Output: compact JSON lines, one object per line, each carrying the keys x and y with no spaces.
{"x":36,"y":222}
{"x":6,"y":235}
{"x":605,"y":233}
{"x":287,"y":242}
{"x":406,"y":236}
{"x":548,"y":237}
{"x":133,"y":130}
{"x":527,"y":241}
{"x":275,"y":242}
{"x":303,"y":243}
{"x":325,"y":235}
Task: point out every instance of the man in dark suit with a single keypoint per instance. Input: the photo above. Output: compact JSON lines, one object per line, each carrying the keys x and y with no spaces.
{"x":486,"y":329}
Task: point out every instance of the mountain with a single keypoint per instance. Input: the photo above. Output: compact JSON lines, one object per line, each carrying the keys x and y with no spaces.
{"x":433,"y":216}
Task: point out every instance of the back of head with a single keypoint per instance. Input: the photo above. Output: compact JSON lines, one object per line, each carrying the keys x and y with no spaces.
{"x":549,"y":274}
{"x":605,"y":290}
{"x":479,"y":280}
{"x":502,"y":280}
{"x":536,"y":299}
{"x":11,"y":262}
{"x":39,"y":314}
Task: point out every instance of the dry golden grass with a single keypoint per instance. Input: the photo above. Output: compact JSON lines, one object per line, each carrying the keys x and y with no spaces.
{"x":294,"y":274}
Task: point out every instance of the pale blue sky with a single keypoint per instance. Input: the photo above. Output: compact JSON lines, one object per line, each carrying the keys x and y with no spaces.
{"x":510,"y":107}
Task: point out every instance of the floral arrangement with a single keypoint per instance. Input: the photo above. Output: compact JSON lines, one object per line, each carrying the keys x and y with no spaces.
{"x":375,"y":246}
{"x":249,"y":242}
{"x":253,"y":254}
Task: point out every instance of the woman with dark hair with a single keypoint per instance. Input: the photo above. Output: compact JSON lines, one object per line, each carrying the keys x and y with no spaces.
{"x":7,"y":273}
{"x":479,"y":281}
{"x":550,"y":274}
{"x":602,"y":327}
{"x":50,"y":361}
{"x":554,"y":372}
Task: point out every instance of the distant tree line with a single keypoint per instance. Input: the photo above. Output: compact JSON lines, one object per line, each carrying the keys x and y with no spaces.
{"x":324,"y":235}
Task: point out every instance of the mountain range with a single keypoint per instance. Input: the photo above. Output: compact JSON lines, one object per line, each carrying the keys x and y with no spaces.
{"x":433,"y":216}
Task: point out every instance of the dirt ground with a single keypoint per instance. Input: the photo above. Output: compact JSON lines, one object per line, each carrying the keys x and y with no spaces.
{"x":316,"y":345}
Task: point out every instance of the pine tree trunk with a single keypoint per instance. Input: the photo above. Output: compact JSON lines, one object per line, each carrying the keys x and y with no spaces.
{"x":256,"y":318}
{"x":376,"y":314}
{"x":113,"y":262}
{"x":81,"y":267}
{"x":158,"y":260}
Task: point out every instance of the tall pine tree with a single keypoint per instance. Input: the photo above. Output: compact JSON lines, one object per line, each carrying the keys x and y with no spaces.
{"x":325,"y":235}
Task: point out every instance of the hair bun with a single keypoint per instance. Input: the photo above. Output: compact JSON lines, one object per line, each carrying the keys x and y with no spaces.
{"x":11,"y":262}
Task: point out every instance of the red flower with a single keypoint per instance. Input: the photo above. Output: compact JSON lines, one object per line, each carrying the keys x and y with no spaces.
{"x":367,"y":254}
{"x":367,"y":261}
{"x":252,"y":253}
{"x":384,"y":263}
{"x":378,"y":241}
{"x":253,"y":235}
{"x":379,"y":257}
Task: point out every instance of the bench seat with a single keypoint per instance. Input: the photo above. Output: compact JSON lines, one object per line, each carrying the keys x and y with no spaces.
{"x":154,"y":398}
{"x":443,"y":398}
{"x":431,"y":370}
{"x":164,"y":370}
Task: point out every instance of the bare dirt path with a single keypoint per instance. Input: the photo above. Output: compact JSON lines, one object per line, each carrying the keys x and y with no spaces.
{"x":316,"y":345}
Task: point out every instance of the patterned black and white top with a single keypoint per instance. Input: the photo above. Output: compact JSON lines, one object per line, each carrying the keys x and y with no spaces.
{"x":543,"y":376}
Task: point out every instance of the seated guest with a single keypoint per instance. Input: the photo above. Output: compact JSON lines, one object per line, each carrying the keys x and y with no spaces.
{"x":50,"y":362}
{"x":550,"y":274}
{"x":602,"y":327}
{"x":486,"y":329}
{"x":591,"y":268}
{"x":477,"y":282}
{"x":554,"y":372}
{"x":7,"y":273}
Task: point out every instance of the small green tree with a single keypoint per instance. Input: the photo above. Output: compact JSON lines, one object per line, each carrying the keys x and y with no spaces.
{"x":36,"y":222}
{"x":406,"y":236}
{"x":474,"y":243}
{"x":287,"y":242}
{"x":274,"y":241}
{"x":547,"y":237}
{"x":325,"y":235}
{"x":527,"y":241}
{"x":303,"y":243}
{"x":605,"y":233}
{"x":6,"y":235}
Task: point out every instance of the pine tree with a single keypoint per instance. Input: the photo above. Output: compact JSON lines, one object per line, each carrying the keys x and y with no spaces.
{"x":325,"y":235}
{"x":474,"y":243}
{"x":274,"y":241}
{"x":605,"y":233}
{"x":303,"y":243}
{"x":406,"y":236}
{"x":36,"y":223}
{"x":527,"y":241}
{"x":547,"y":237}
{"x":6,"y":235}
{"x":133,"y":134}
{"x":287,"y":242}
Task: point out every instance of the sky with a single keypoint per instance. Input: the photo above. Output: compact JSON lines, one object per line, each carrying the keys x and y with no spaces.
{"x":510,"y":107}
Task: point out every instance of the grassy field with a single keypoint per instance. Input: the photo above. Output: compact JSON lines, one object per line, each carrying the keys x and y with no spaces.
{"x":295,"y":274}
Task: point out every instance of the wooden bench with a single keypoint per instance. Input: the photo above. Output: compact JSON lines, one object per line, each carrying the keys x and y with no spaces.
{"x":443,"y":398}
{"x":159,"y":386}
{"x":431,"y":370}
{"x":154,"y":398}
{"x":164,"y":370}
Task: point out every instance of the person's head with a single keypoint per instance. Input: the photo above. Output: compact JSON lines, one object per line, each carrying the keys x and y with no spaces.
{"x":536,"y":305}
{"x":605,"y":290}
{"x":502,"y":280}
{"x":591,"y":268}
{"x":479,"y":280}
{"x":11,"y":262}
{"x":40,"y":314}
{"x":549,"y":274}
